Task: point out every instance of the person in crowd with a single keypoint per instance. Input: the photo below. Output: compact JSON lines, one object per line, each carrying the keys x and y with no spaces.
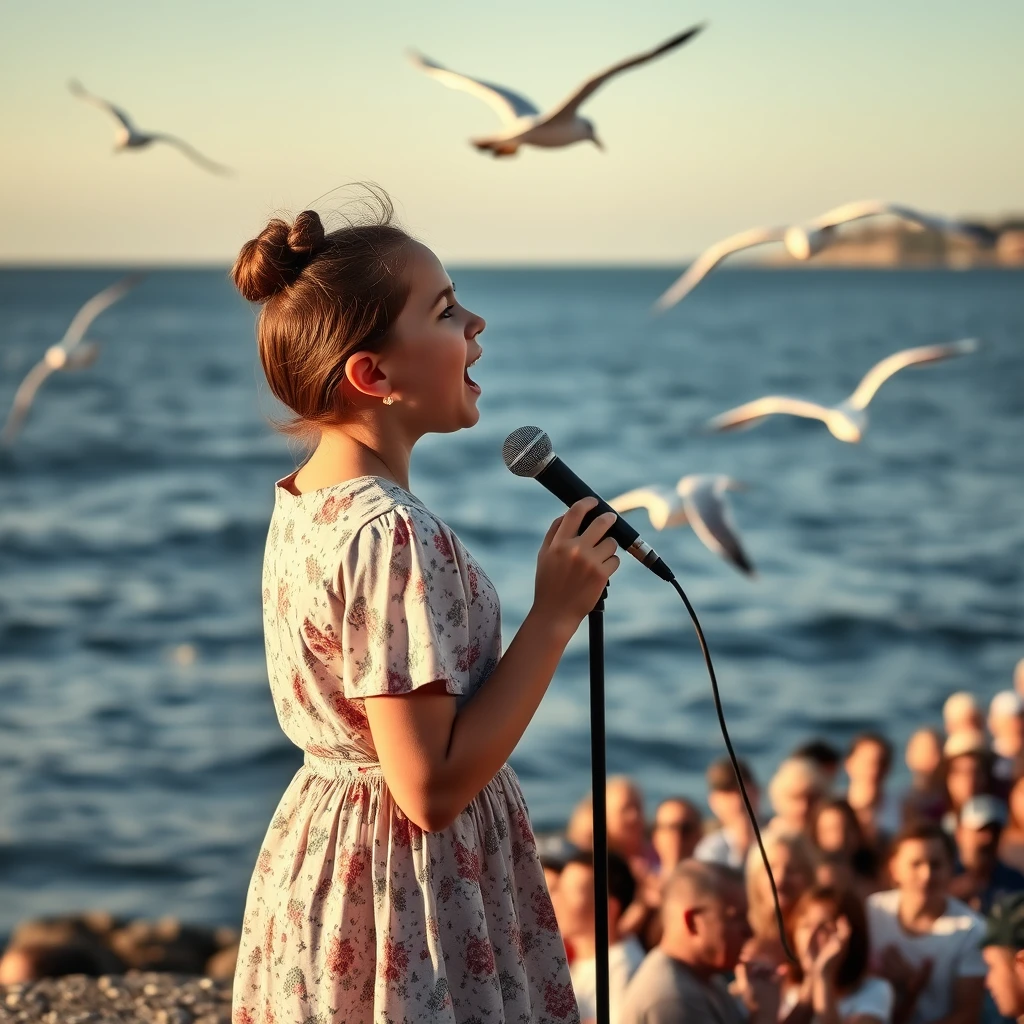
{"x":1003,"y":950}
{"x":924,"y":941}
{"x":675,"y":833}
{"x":728,"y":844}
{"x":836,"y":832}
{"x":575,"y":913}
{"x":1006,"y":727}
{"x":824,"y":755}
{"x":1018,"y":677}
{"x":795,"y":789}
{"x":790,"y":858}
{"x":867,"y":767}
{"x":828,"y":933}
{"x":682,"y":981}
{"x":627,"y":825}
{"x":580,"y":828}
{"x":966,"y":772}
{"x":1011,"y":845}
{"x":981,"y":877}
{"x":961,"y":713}
{"x":925,"y":800}
{"x":553,"y":851}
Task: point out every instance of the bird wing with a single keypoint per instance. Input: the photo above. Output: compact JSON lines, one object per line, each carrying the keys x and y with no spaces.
{"x":510,"y":106}
{"x":710,"y":258}
{"x":709,"y":514}
{"x":23,"y":400}
{"x":82,"y":93}
{"x":770,"y":405}
{"x":663,"y":506}
{"x":876,"y":208}
{"x":96,"y":305}
{"x":881,"y":372}
{"x":566,"y":110}
{"x":192,"y":153}
{"x":82,"y":357}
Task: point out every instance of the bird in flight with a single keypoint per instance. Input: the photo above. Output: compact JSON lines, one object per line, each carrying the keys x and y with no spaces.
{"x":848,"y":420}
{"x":130,"y":137}
{"x":802,"y":241}
{"x":524,"y":124}
{"x":72,"y":352}
{"x":698,"y":500}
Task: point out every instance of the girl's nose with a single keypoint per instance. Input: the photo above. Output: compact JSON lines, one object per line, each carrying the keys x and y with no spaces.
{"x":475,"y":325}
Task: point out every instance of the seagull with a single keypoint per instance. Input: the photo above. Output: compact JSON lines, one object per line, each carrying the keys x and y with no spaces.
{"x":848,"y":420}
{"x":698,"y":499}
{"x":70,"y":353}
{"x":524,"y":124}
{"x":802,"y":241}
{"x":129,"y":137}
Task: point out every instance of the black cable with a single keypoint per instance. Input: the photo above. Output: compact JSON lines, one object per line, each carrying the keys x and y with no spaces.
{"x":736,"y":767}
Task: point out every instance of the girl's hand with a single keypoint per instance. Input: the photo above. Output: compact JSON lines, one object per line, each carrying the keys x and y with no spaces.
{"x":572,"y":570}
{"x":832,"y":950}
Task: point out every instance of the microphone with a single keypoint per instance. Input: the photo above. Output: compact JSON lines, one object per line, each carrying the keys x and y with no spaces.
{"x":528,"y":452}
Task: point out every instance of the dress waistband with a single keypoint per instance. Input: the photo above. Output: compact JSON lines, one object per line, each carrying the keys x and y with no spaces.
{"x":342,"y":768}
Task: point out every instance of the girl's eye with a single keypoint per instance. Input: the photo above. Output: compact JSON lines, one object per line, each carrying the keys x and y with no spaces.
{"x":446,"y":315}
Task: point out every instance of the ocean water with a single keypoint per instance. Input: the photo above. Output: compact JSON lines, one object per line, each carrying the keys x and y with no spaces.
{"x":133,"y":513}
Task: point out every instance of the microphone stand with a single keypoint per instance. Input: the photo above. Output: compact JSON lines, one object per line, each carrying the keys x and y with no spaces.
{"x":599,"y":787}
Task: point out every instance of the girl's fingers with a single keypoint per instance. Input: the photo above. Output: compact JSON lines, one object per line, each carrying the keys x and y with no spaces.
{"x":573,"y":519}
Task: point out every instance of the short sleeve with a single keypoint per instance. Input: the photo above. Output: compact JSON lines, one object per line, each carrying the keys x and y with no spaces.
{"x":970,"y":963}
{"x":405,"y":613}
{"x":874,"y":998}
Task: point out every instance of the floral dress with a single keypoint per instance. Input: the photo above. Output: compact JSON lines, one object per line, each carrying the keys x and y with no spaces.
{"x":354,"y":914}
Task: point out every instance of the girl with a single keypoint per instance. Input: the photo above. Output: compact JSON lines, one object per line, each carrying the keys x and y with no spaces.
{"x":399,"y":879}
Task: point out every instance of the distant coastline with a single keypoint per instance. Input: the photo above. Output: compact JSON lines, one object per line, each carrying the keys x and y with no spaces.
{"x":900,"y":245}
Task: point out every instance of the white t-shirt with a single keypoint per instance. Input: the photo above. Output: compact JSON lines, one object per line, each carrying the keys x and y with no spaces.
{"x":718,"y":848}
{"x":952,"y":945}
{"x":873,"y":997}
{"x":623,"y":959}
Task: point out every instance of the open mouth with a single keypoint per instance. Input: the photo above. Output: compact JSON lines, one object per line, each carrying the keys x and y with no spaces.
{"x":470,"y":383}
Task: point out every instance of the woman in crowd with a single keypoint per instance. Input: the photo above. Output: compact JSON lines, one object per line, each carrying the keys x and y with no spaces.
{"x":837,"y":836}
{"x":794,"y":792}
{"x":829,"y":934}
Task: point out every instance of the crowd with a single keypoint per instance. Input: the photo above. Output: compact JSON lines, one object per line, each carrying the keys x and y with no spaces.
{"x":896,"y":907}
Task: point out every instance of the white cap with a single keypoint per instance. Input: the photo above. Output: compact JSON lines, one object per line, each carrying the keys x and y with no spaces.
{"x":959,"y":704}
{"x":1006,"y":704}
{"x":981,"y":811}
{"x":966,"y":741}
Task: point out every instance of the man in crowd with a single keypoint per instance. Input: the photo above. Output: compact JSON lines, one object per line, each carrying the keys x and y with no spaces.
{"x":925,"y":942}
{"x":1006,"y":726}
{"x":729,"y":843}
{"x":573,"y":900}
{"x":961,"y":713}
{"x":704,"y":930}
{"x":867,"y":767}
{"x":824,"y":755}
{"x":983,"y":878}
{"x":1003,"y":949}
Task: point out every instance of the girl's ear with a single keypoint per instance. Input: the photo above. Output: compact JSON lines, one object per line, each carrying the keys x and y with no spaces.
{"x":364,"y":374}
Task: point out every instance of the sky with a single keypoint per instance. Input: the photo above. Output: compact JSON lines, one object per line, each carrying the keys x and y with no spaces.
{"x":775,"y":113}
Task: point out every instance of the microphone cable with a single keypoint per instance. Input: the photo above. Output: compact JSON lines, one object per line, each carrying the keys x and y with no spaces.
{"x":736,"y":767}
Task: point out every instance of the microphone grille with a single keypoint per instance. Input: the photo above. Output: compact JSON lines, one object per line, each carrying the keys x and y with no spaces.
{"x":525,"y":450}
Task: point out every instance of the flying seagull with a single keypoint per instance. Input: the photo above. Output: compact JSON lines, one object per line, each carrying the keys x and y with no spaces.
{"x":524,"y":124}
{"x":802,"y":241}
{"x":700,"y":501}
{"x":70,"y":353}
{"x":848,"y":420}
{"x":130,"y":137}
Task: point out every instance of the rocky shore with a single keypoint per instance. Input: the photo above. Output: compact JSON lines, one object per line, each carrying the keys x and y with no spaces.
{"x":139,"y":996}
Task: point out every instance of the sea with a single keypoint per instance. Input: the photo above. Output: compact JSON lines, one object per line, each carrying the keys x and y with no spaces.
{"x":140,"y":757}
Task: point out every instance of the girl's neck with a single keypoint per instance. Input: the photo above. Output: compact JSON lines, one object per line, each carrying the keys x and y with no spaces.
{"x":346,"y":454}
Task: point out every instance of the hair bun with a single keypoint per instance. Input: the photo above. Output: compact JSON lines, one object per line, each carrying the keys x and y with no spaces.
{"x":274,"y":259}
{"x":306,"y":237}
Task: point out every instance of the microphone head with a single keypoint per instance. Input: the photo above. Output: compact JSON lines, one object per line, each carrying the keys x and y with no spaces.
{"x":526,"y":451}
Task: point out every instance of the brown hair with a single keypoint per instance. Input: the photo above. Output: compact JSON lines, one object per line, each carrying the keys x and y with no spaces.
{"x":842,"y":904}
{"x":924,"y":832}
{"x":325,"y":297}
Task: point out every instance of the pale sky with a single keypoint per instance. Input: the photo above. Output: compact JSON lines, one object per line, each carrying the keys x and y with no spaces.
{"x":778,"y":111}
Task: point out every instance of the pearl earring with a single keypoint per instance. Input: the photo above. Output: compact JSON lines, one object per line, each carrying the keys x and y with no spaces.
{"x":389,"y":400}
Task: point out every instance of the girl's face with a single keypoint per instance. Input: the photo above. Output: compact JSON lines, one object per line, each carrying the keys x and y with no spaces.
{"x":815,"y":924}
{"x":831,"y":832}
{"x":433,"y":342}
